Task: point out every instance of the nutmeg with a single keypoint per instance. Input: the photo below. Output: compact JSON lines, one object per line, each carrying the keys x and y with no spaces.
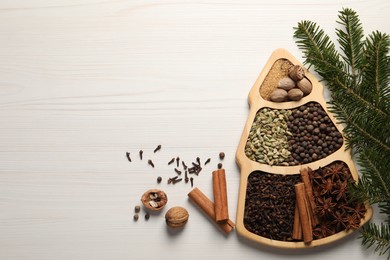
{"x":305,"y":85}
{"x":278,"y":95}
{"x":286,"y":83}
{"x":296,"y":72}
{"x":295,"y":94}
{"x":176,"y":217}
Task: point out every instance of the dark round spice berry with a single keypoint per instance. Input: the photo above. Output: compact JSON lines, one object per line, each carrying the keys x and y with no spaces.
{"x":221,"y":155}
{"x":219,"y":165}
{"x":135,"y":217}
{"x":137,"y":209}
{"x":147,"y":216}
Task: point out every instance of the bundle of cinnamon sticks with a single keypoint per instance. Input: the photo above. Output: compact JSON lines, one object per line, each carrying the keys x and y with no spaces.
{"x":217,"y":211}
{"x":305,"y":217}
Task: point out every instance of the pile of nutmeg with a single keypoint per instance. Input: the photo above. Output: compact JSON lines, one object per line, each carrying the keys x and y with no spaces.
{"x":293,"y":87}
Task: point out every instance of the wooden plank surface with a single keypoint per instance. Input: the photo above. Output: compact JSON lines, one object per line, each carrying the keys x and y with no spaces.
{"x":84,"y":81}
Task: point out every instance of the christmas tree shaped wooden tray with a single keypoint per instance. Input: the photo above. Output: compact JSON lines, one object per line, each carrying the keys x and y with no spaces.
{"x":291,"y":134}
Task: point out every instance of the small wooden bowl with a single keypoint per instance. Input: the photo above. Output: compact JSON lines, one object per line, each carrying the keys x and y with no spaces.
{"x":248,"y":166}
{"x":154,"y":200}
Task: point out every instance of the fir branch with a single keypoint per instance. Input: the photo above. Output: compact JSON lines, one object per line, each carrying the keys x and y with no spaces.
{"x":359,"y":81}
{"x":376,"y":78}
{"x":377,"y":235}
{"x":356,"y":132}
{"x":372,"y":174}
{"x":351,"y":40}
{"x":314,"y":43}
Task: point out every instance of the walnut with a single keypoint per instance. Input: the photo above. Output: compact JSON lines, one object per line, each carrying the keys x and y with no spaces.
{"x":154,"y":199}
{"x":176,"y":217}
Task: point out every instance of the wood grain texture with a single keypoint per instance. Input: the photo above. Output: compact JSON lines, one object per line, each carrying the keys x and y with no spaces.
{"x":84,"y":81}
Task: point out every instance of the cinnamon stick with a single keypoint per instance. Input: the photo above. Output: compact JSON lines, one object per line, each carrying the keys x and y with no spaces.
{"x":304,"y":215}
{"x":208,"y":207}
{"x":220,"y":195}
{"x":297,"y":228}
{"x":309,"y":192}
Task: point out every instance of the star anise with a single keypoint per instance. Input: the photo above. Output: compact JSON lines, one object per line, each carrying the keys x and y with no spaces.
{"x":325,"y":206}
{"x":338,"y":221}
{"x":323,"y":230}
{"x":326,"y":187}
{"x":352,"y":221}
{"x":340,"y":190}
{"x":335,"y":170}
{"x":359,"y":210}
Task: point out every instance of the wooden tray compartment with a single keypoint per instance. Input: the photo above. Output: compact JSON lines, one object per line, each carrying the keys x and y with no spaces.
{"x":247,"y":166}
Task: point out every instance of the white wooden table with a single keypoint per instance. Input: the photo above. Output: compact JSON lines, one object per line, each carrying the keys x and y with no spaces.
{"x":84,"y":81}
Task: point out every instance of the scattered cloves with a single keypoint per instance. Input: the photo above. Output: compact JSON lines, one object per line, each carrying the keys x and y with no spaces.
{"x":186,"y":176}
{"x":140,"y":154}
{"x":207,"y":161}
{"x":176,"y":180}
{"x":150,"y":162}
{"x":157,"y":148}
{"x":198,"y":160}
{"x":192,"y":182}
{"x":177,"y":171}
{"x":171,"y":161}
{"x":128,"y":156}
{"x":177,"y":161}
{"x":170,"y":180}
{"x":184,"y":165}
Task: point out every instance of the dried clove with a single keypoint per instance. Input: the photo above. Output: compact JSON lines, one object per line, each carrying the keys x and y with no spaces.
{"x":150,"y":162}
{"x":186,"y":176}
{"x":177,"y":161}
{"x":177,"y":171}
{"x":184,"y":165}
{"x":157,"y":148}
{"x":159,"y":179}
{"x":219,"y":165}
{"x":170,"y":180}
{"x":198,"y":160}
{"x":128,"y":156}
{"x":207,"y":161}
{"x":171,"y":161}
{"x":176,"y":180}
{"x":192,"y":182}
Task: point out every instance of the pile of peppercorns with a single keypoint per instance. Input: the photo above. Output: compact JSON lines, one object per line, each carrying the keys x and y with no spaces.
{"x":314,"y":136}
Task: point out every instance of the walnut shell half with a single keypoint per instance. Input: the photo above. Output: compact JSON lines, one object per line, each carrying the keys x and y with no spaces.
{"x":154,"y":199}
{"x":176,"y":217}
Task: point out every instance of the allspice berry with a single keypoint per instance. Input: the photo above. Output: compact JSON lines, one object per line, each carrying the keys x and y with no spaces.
{"x":176,"y":217}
